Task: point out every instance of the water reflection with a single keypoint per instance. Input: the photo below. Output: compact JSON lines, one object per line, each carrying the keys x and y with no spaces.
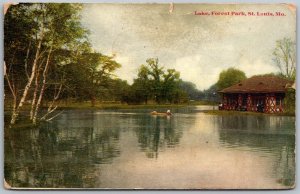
{"x":131,"y":148}
{"x":247,"y":122}
{"x":272,"y":137}
{"x":155,"y":133}
{"x":58,"y":157}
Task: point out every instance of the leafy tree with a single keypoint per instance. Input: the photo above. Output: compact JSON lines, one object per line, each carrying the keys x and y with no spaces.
{"x":230,"y":77}
{"x":190,"y":89}
{"x":162,"y":84}
{"x":60,"y":30}
{"x":155,"y":83}
{"x":89,"y":75}
{"x":48,"y":55}
{"x":209,"y":95}
{"x":284,"y":56}
{"x":179,"y":96}
{"x":170,"y":86}
{"x":48,"y":28}
{"x":19,"y":28}
{"x":290,"y":101}
{"x":118,"y":90}
{"x":155,"y":73}
{"x":142,"y":86}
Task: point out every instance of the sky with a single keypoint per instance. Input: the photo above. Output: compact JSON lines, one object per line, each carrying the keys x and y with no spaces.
{"x":198,"y":46}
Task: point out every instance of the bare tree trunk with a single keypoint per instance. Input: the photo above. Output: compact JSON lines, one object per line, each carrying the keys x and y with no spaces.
{"x":26,"y":59}
{"x":42,"y":88}
{"x":50,"y":108}
{"x":285,"y":57}
{"x":28,"y":85}
{"x":33,"y":103}
{"x":12,"y":90}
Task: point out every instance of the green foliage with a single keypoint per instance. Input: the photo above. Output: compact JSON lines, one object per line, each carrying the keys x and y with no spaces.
{"x":210,"y":94}
{"x":141,"y":88}
{"x":64,"y":45}
{"x":189,"y":88}
{"x":118,"y":90}
{"x":56,"y":26}
{"x":230,"y":77}
{"x":89,"y":76}
{"x":290,"y":101}
{"x":154,"y":83}
{"x":19,"y":27}
{"x":85,"y":75}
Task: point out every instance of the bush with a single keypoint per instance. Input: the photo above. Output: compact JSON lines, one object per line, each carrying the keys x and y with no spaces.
{"x":290,"y":101}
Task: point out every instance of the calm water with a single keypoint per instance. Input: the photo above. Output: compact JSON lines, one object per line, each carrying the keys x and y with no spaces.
{"x":132,"y":149}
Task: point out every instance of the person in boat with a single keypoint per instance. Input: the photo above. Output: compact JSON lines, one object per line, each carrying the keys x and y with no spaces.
{"x":168,"y":113}
{"x":220,"y":106}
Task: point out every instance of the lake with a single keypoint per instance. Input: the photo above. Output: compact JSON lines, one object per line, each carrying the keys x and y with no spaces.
{"x":133,"y":149}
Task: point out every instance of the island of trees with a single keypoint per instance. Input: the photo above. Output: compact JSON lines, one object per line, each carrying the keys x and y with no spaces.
{"x":50,"y":62}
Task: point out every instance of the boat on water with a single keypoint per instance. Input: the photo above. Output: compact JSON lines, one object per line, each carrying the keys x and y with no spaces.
{"x":168,"y":113}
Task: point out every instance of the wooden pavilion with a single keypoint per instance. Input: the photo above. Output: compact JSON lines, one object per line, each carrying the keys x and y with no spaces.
{"x":257,"y":94}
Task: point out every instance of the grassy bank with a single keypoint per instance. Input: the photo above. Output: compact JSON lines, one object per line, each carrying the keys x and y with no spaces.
{"x":203,"y":102}
{"x":109,"y":105}
{"x":224,"y":112}
{"x":87,"y":105}
{"x":99,"y":105}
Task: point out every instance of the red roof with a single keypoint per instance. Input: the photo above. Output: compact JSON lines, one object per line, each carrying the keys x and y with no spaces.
{"x":259,"y":84}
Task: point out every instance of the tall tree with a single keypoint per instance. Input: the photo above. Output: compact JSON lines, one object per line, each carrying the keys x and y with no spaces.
{"x":142,"y":85}
{"x":62,"y":30}
{"x":284,"y":56}
{"x":24,"y":33}
{"x":229,"y":77}
{"x":89,"y":75}
{"x":170,"y":86}
{"x":155,"y":75}
{"x":156,"y":83}
{"x":45,"y":46}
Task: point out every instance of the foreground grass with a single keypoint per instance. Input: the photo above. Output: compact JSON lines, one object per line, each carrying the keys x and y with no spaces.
{"x":225,"y":112}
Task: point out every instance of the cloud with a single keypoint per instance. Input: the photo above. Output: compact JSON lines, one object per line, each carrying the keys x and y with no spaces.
{"x":194,"y":70}
{"x":255,"y":67}
{"x":127,"y":73}
{"x":200,"y":47}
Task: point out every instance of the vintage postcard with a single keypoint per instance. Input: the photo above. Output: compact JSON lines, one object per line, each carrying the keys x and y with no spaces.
{"x":149,"y":96}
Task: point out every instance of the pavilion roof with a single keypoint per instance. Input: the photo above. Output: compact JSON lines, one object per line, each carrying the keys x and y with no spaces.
{"x":260,"y":84}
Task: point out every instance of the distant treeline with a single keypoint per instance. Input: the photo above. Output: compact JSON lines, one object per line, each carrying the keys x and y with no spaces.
{"x":154,"y":84}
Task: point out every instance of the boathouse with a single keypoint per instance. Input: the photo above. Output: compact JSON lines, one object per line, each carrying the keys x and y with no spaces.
{"x":257,"y":94}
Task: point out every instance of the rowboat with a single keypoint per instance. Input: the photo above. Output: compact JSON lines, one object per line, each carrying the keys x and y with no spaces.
{"x":161,"y":113}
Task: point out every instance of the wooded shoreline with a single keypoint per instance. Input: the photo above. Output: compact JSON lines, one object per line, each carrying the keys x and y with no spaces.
{"x":103,"y":105}
{"x":119,"y":106}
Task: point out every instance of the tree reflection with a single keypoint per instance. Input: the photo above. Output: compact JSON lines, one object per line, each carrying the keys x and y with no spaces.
{"x":274,"y":137}
{"x":48,"y":157}
{"x":156,"y":133}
